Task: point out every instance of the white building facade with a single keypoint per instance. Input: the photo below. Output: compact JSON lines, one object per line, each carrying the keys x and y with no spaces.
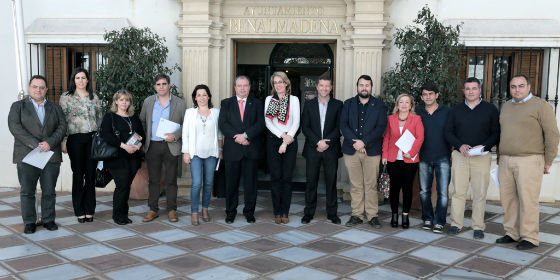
{"x":214,"y":40}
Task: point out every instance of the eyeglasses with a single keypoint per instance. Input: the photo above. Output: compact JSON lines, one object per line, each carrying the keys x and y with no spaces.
{"x":278,"y":82}
{"x":38,"y":87}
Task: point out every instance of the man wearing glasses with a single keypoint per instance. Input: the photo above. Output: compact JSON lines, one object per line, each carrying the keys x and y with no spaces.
{"x":36,"y":123}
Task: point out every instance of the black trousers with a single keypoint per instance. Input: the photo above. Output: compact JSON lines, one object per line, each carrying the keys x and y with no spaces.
{"x":313,"y":166}
{"x":281,"y":168}
{"x":234,"y":170}
{"x":123,"y":176}
{"x":159,"y":156}
{"x":402,"y":177}
{"x":83,"y":173}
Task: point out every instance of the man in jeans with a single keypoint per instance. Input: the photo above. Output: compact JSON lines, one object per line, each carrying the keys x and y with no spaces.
{"x":434,"y":158}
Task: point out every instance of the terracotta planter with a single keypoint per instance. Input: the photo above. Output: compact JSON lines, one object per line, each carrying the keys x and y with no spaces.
{"x":139,"y":187}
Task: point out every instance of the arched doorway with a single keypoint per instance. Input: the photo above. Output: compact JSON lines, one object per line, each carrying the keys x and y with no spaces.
{"x":303,"y":62}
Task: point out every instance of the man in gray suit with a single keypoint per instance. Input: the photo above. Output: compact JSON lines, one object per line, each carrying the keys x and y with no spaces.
{"x":162,"y":151}
{"x":35,"y":122}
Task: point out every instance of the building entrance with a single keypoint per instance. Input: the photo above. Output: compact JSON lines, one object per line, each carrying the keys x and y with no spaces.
{"x":303,"y":63}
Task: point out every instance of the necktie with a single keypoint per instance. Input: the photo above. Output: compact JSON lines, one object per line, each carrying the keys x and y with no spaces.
{"x":241,"y":111}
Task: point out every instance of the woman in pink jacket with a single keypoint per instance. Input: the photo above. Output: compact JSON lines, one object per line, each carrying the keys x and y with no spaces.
{"x":402,"y":165}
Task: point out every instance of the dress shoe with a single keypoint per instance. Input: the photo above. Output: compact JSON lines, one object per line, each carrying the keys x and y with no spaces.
{"x":120,"y":222}
{"x":354,"y":221}
{"x":172,"y":216}
{"x":128,"y":221}
{"x":81,"y":220}
{"x":505,"y":239}
{"x":89,"y":219}
{"x":525,"y":245}
{"x":285,"y":219}
{"x":395,"y":220}
{"x":478,"y":234}
{"x":306,"y":219}
{"x":30,"y":228}
{"x":50,"y":225}
{"x":405,"y":221}
{"x":335,"y":220}
{"x":150,"y":216}
{"x":250,"y":219}
{"x":230,"y":219}
{"x":277,"y":219}
{"x":374,"y":222}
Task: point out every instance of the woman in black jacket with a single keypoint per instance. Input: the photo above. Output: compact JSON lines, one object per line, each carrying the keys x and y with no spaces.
{"x":117,"y":128}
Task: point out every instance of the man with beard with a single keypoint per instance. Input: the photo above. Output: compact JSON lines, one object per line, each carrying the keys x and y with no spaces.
{"x":362,"y":123}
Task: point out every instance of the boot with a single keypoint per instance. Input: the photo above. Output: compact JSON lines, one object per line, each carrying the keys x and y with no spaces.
{"x":395,"y":220}
{"x":405,"y":222}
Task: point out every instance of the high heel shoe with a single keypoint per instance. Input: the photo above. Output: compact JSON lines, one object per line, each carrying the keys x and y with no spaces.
{"x":207,"y":218}
{"x":89,"y":219}
{"x":81,"y":220}
{"x":285,"y":219}
{"x":277,"y":219}
{"x":395,"y":220}
{"x":405,"y":222}
{"x":194,"y":220}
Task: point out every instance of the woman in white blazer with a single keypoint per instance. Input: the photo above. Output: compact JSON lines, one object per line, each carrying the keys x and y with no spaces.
{"x":202,"y":147}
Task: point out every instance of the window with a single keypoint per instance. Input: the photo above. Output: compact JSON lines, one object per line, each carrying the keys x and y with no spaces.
{"x":495,"y":67}
{"x":56,"y":63}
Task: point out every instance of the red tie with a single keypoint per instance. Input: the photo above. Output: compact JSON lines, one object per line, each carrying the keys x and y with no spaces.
{"x":241,"y":108}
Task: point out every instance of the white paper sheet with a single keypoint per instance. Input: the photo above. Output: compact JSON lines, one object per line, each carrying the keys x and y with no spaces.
{"x":494,"y":175}
{"x":405,"y":142}
{"x":218,"y":165}
{"x":37,"y":158}
{"x":166,"y":126}
{"x":477,"y":151}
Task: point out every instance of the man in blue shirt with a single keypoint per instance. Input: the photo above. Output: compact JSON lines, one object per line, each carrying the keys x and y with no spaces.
{"x":162,"y":151}
{"x":434,"y":158}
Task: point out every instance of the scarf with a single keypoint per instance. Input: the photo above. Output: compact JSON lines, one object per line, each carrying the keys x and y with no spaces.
{"x":279,"y":108}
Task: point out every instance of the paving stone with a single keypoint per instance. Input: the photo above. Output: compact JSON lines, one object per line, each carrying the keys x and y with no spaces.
{"x":461,"y":244}
{"x":33,"y":262}
{"x":414,"y":266}
{"x":395,"y":244}
{"x":549,"y":263}
{"x":198,"y":243}
{"x":264,"y":264}
{"x":328,"y":245}
{"x":488,"y":266}
{"x":110,"y":262}
{"x":264,"y":245}
{"x":130,"y":243}
{"x":187,"y":264}
{"x":338,"y":265}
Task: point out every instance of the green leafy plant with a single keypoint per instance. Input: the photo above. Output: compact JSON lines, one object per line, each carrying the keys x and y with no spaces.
{"x":430,"y":51}
{"x":135,"y":56}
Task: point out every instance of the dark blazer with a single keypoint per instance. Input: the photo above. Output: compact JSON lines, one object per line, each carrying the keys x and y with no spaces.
{"x":177,"y":109}
{"x":414,"y":124}
{"x":253,"y":124}
{"x":311,"y":127}
{"x":375,"y":123}
{"x":24,"y":124}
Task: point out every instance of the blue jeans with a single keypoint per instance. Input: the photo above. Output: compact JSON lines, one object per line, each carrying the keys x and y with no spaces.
{"x":441,"y":168}
{"x":200,"y":167}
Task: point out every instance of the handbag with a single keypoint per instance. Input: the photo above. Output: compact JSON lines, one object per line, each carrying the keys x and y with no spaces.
{"x":384,"y":182}
{"x":101,"y":150}
{"x":102,"y":177}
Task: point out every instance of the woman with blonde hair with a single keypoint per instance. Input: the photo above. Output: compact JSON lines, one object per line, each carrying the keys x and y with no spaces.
{"x":118,"y":128}
{"x":402,"y":165}
{"x":282,"y":121}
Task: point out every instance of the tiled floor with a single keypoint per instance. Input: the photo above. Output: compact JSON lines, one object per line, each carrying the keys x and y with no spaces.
{"x":264,"y":250}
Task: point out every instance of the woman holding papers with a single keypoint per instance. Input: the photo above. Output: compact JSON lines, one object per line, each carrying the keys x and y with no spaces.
{"x":202,"y":147}
{"x":401,"y":143}
{"x":282,"y":122}
{"x":82,"y":109}
{"x":121,"y":128}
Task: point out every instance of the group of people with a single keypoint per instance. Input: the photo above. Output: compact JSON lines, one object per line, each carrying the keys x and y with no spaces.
{"x":236,"y":133}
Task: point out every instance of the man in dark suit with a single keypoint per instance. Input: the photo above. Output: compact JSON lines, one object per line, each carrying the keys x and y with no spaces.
{"x":242,"y":123}
{"x":37,"y":123}
{"x":362,"y":122}
{"x":162,"y":151}
{"x":320,"y":122}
